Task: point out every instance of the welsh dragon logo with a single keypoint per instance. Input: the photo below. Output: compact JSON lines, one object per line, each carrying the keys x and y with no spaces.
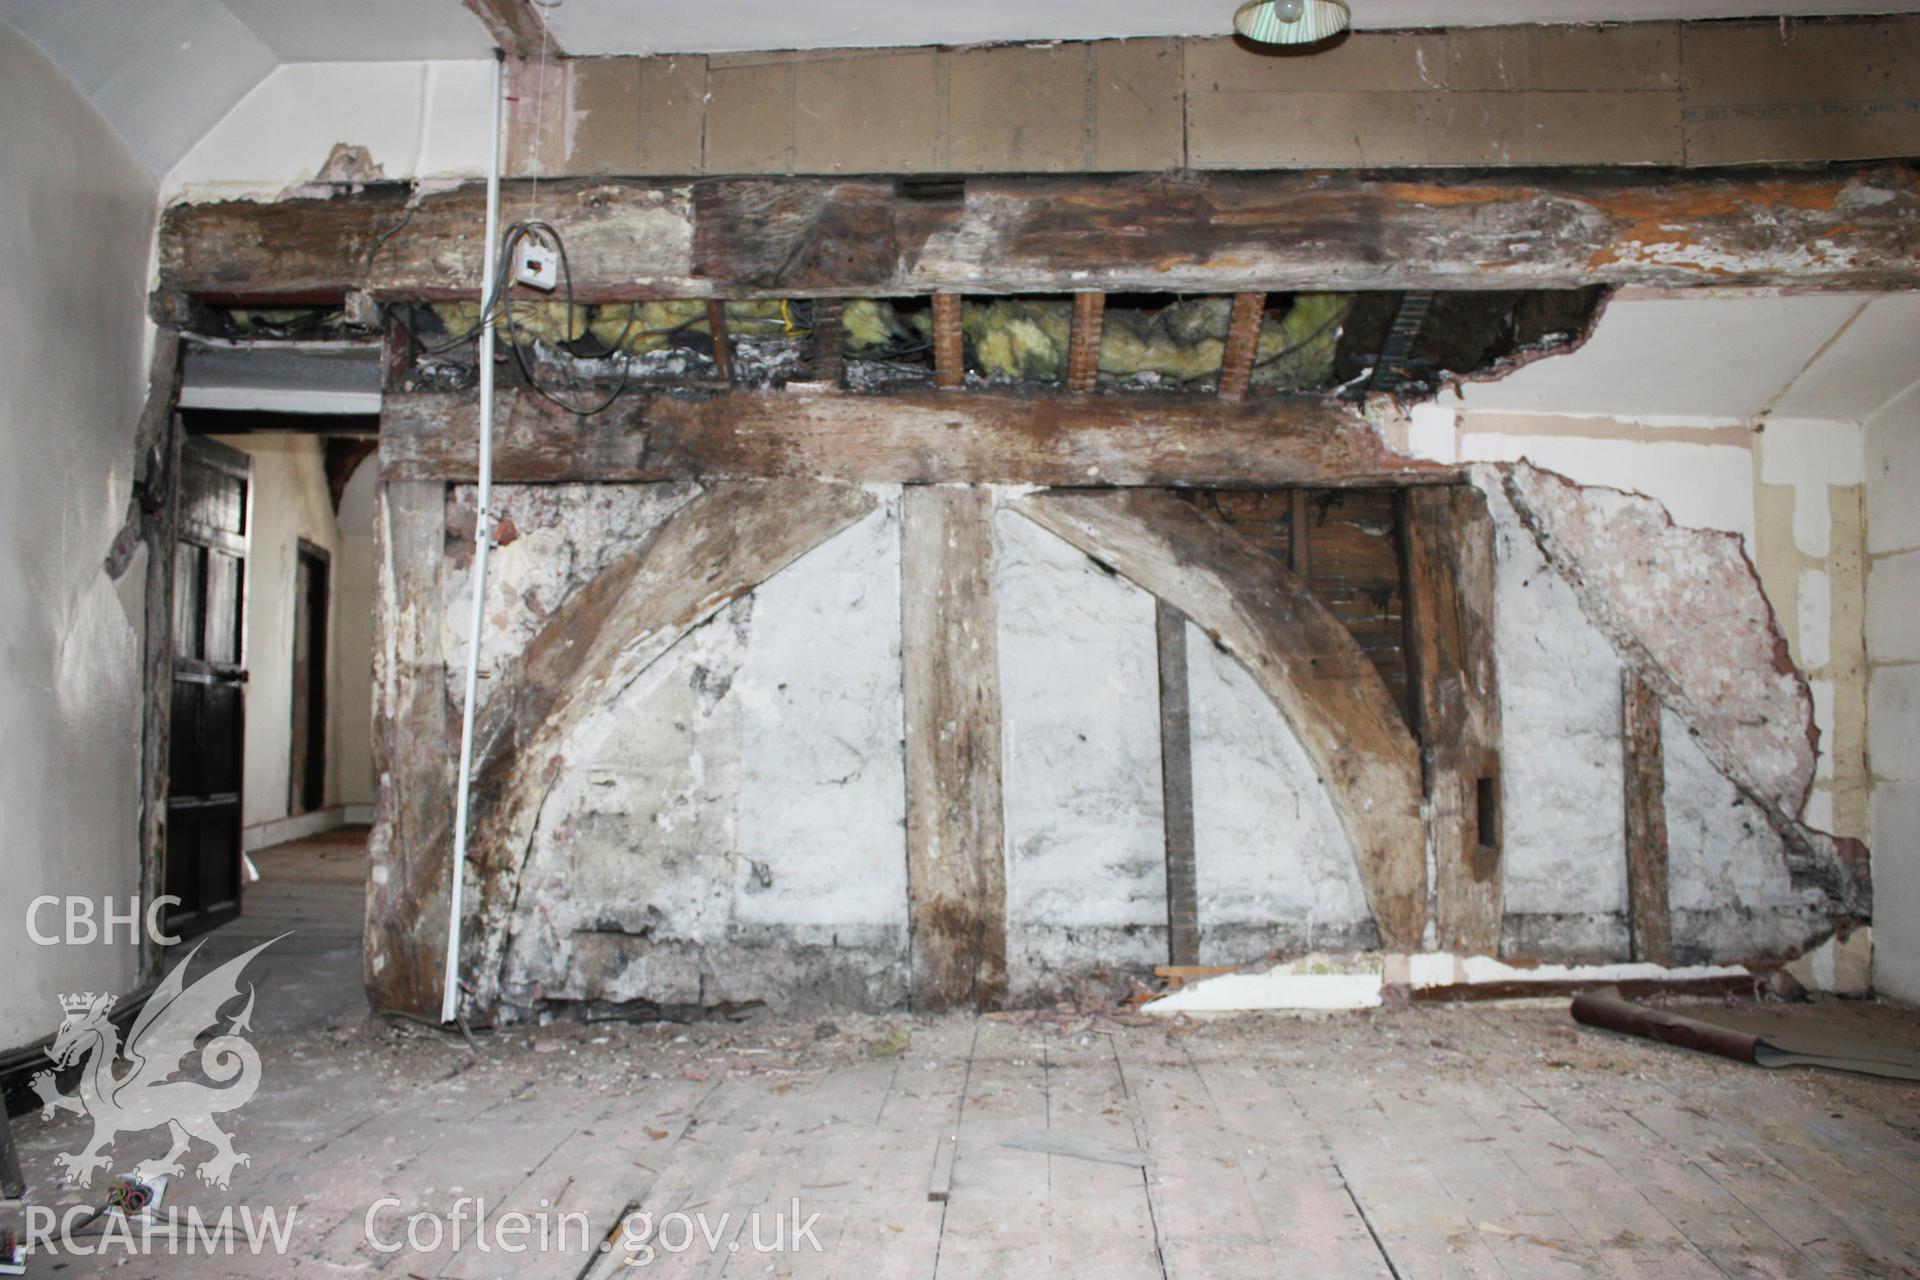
{"x":148,"y":1095}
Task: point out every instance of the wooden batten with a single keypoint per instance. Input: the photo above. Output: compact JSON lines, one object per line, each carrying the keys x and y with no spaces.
{"x":630,"y":239}
{"x":918,"y":437}
{"x":956,"y":864}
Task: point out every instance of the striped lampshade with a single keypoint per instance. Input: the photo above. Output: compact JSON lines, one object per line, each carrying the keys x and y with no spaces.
{"x":1291,"y":21}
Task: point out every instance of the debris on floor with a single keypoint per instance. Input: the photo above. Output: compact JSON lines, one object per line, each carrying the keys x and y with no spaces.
{"x":1737,"y":1037}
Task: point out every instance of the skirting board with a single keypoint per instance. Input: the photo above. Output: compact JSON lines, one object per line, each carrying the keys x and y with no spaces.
{"x":264,"y":835}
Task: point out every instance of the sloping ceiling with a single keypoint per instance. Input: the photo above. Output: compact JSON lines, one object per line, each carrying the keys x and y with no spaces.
{"x":164,"y":71}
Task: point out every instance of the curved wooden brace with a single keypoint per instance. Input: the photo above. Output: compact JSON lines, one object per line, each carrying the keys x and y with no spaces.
{"x":1308,"y":663}
{"x":710,"y":552}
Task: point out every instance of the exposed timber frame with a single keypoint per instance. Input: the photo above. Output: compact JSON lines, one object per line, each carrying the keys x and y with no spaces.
{"x":918,"y":437}
{"x":1297,"y":652}
{"x":716,"y":548}
{"x":1852,"y":227}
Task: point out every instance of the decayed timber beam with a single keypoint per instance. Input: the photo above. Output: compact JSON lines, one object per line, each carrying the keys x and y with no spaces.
{"x":1448,"y":543}
{"x":925,"y":437}
{"x":1215,"y":232}
{"x":708,"y":553}
{"x":956,"y":864}
{"x":1298,"y":653}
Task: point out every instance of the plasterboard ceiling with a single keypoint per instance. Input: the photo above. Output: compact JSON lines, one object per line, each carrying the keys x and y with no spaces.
{"x":1724,"y":359}
{"x":663,"y":26}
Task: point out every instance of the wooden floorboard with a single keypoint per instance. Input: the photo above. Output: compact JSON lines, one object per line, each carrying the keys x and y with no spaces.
{"x":1408,"y":1143}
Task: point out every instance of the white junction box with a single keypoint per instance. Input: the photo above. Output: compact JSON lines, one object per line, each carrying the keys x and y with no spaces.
{"x":536,"y":265}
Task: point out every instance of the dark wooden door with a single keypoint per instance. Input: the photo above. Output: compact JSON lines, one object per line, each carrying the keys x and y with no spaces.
{"x":207,"y":733}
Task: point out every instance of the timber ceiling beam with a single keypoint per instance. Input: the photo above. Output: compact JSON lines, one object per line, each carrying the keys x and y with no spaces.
{"x":918,"y":437}
{"x":517,"y":26}
{"x":1851,"y":228}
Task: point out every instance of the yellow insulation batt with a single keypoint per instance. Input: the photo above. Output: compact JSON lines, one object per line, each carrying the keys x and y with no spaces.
{"x":635,"y":327}
{"x":1018,"y":338}
{"x":1027,"y":339}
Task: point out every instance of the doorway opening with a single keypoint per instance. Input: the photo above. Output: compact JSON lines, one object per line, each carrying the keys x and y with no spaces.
{"x":311,"y":600}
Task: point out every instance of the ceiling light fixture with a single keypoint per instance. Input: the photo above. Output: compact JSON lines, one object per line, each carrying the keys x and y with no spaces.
{"x":1292,"y":21}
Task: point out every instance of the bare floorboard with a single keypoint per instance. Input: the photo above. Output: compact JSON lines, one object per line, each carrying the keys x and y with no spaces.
{"x":1409,"y":1143}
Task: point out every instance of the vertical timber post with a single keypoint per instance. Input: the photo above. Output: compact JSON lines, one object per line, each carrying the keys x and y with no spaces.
{"x":956,"y":869}
{"x":1447,"y":540}
{"x":410,"y":850}
{"x":1649,"y":914}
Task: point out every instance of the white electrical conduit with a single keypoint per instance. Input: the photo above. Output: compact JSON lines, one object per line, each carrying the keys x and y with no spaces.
{"x":482,"y":539}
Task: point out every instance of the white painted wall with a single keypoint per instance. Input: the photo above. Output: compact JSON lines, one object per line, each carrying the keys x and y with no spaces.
{"x":1274,"y":869}
{"x":1893,"y":689}
{"x":1080,"y":717}
{"x":290,"y":502}
{"x":76,"y":219}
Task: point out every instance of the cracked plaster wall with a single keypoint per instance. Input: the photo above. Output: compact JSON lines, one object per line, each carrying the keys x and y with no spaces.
{"x":1565,"y":875}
